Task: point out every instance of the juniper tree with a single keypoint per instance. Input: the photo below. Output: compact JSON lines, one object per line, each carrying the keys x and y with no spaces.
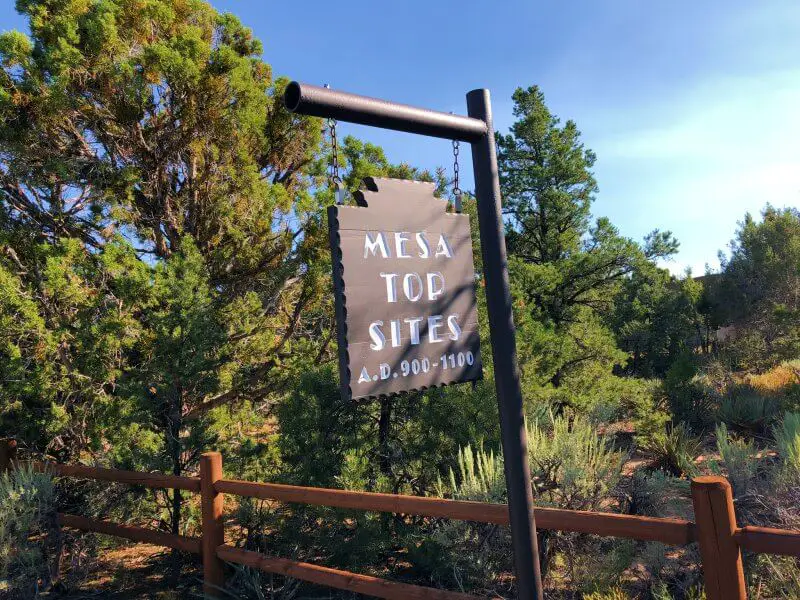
{"x":159,"y":232}
{"x":760,"y":287}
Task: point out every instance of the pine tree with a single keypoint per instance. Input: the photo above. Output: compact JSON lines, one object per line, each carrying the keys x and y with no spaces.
{"x":565,"y":266}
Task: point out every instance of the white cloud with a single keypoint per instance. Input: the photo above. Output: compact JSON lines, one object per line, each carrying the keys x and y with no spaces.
{"x":727,"y":120}
{"x":720,"y":149}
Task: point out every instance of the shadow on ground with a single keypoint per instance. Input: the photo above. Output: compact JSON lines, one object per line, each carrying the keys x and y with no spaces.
{"x":139,"y":572}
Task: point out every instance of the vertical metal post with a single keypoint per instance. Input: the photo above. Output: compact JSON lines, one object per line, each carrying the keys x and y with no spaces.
{"x":504,"y":352}
{"x":211,"y":502}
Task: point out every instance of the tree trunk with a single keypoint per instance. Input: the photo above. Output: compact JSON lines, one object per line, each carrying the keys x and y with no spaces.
{"x":384,"y":452}
{"x":175,"y":458}
{"x":174,"y":426}
{"x":556,"y":379}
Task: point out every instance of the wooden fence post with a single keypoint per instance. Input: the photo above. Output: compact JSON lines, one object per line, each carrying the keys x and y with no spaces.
{"x":8,"y":454}
{"x":720,"y":553}
{"x":213,"y":524}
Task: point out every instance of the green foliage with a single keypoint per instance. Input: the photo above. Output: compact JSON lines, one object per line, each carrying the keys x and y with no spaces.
{"x":593,"y":566}
{"x":468,"y":555}
{"x":674,"y":451}
{"x":658,"y":494}
{"x":246,"y":582}
{"x":787,"y":440}
{"x":747,"y":410}
{"x":162,"y":243}
{"x":739,"y":457}
{"x":775,"y":577}
{"x":647,"y":407}
{"x":318,"y":429}
{"x":690,"y":400}
{"x":572,"y":466}
{"x":481,"y":476}
{"x":657,"y":318}
{"x":565,"y":268}
{"x":661,"y":592}
{"x":28,"y":533}
{"x":321,"y":436}
{"x":761,"y":285}
{"x":613,"y":594}
{"x":463,"y":556}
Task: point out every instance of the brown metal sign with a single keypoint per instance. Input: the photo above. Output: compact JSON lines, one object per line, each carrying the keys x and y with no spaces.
{"x":404,"y":285}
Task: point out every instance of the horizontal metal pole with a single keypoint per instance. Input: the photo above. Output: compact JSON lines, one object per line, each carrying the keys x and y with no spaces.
{"x":315,"y":101}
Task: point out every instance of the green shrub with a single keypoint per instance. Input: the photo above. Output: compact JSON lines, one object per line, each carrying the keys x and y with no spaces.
{"x":787,"y":441}
{"x":658,"y":494}
{"x":661,"y":591}
{"x":791,"y":397}
{"x":775,"y":577}
{"x":649,"y":411}
{"x":572,"y":466}
{"x":674,"y":451}
{"x":247,"y":582}
{"x":747,"y":410}
{"x":739,"y":456}
{"x":592,"y":565}
{"x":693,"y":403}
{"x":616,"y":593}
{"x":28,"y":532}
{"x":317,"y":429}
{"x":461,"y":554}
{"x":481,"y":476}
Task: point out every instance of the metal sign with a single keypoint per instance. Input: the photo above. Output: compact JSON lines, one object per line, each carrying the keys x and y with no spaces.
{"x":404,"y":285}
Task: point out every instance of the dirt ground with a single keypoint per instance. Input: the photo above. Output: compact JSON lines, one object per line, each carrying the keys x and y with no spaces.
{"x":138,"y":572}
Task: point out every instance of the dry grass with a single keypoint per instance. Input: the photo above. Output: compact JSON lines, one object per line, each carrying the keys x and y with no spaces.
{"x":776,"y":380}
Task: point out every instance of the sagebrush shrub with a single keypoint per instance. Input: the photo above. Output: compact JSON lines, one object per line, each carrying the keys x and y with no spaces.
{"x":739,"y":456}
{"x":787,"y":441}
{"x":469,"y":555}
{"x":480,"y":476}
{"x":27,"y":532}
{"x":775,"y":577}
{"x":571,"y":464}
{"x":659,"y":494}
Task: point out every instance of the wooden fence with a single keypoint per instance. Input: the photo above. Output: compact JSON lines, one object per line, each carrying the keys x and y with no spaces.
{"x":720,"y":540}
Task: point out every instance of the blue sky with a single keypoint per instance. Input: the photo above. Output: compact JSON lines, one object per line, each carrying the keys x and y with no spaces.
{"x":693,"y":108}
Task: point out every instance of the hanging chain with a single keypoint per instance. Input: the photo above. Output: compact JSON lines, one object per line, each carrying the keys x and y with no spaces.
{"x":334,"y":175}
{"x":456,"y":188}
{"x":334,"y":178}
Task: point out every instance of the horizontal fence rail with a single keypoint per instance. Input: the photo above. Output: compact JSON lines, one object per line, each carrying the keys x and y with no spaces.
{"x":766,"y":540}
{"x":129,"y":532}
{"x":150,"y":480}
{"x":721,"y":541}
{"x":342,"y":580}
{"x":668,"y":531}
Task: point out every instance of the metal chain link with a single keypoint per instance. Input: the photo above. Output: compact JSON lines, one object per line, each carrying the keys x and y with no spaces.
{"x":456,"y":188}
{"x":334,"y":179}
{"x":334,"y":175}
